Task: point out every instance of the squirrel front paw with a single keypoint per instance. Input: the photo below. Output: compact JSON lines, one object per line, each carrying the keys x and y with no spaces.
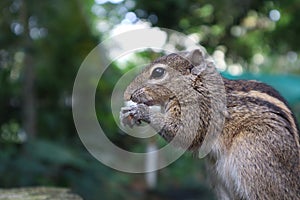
{"x":134,"y":115}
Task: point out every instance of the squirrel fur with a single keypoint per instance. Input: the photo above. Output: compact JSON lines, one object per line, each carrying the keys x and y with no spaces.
{"x":256,"y":153}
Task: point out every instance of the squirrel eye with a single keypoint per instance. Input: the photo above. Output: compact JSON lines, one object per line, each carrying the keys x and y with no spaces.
{"x":158,"y":72}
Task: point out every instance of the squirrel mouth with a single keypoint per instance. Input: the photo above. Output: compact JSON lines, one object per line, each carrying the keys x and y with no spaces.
{"x":148,"y":97}
{"x":151,"y":103}
{"x":147,"y":101}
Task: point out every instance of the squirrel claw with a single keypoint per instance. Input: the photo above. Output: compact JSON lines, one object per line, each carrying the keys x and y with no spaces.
{"x":134,"y":115}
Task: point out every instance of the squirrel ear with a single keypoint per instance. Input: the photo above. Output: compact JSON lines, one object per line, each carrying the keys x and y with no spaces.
{"x":196,"y":56}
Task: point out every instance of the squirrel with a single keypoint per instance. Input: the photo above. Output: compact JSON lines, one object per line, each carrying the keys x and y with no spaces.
{"x":256,"y":153}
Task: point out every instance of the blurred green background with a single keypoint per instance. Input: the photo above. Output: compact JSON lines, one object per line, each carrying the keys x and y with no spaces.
{"x":43,"y":43}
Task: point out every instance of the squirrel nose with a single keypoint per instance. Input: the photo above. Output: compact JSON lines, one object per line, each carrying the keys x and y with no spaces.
{"x":127,"y":96}
{"x":131,"y":94}
{"x":128,"y":93}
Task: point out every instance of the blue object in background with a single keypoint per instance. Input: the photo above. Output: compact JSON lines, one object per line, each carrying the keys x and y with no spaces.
{"x":287,"y":85}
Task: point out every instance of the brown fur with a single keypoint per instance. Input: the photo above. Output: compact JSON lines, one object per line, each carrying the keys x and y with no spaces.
{"x":256,"y":155}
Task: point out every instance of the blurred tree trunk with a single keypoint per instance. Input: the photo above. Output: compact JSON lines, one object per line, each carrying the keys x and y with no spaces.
{"x":28,"y":92}
{"x":29,"y":110}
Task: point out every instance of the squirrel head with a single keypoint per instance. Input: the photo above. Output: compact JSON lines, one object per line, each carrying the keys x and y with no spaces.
{"x":181,"y":84}
{"x":165,"y":77}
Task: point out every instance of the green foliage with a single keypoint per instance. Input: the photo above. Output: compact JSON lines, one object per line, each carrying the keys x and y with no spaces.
{"x":43,"y":162}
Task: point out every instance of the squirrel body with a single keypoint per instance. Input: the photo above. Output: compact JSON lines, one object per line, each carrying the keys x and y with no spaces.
{"x":256,"y":152}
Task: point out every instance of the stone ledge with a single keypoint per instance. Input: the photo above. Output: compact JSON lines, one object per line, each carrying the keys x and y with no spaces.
{"x":38,"y":193}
